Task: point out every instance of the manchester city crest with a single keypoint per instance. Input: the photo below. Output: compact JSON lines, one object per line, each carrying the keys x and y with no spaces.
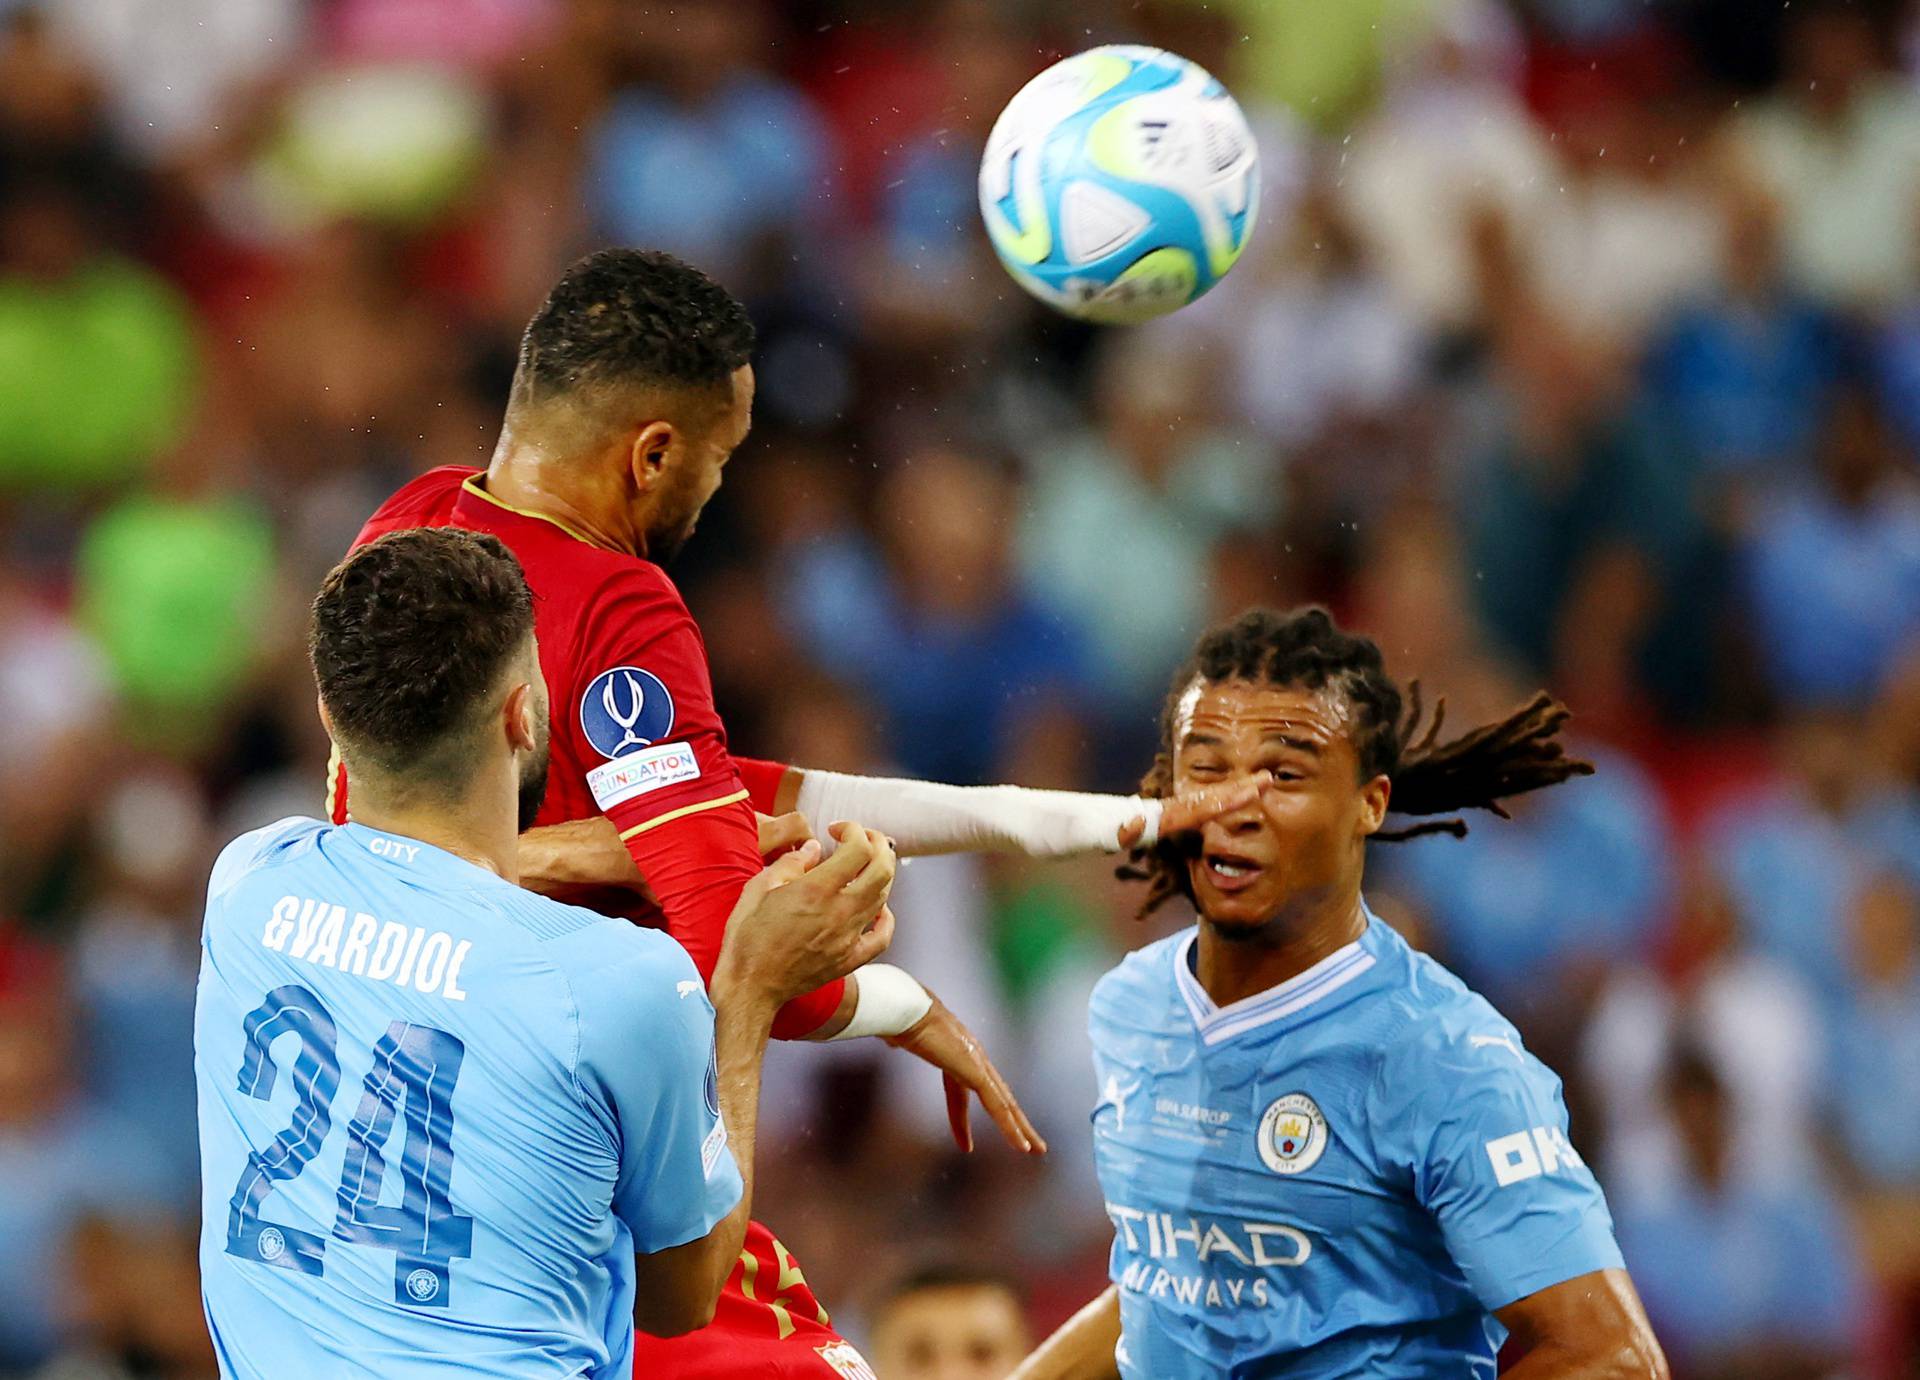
{"x":1293,"y":1134}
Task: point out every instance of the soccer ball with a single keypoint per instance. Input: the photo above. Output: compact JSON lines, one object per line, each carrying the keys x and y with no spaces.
{"x":1119,"y":184}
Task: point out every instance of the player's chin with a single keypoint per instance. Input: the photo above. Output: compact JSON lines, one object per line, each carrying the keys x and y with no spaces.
{"x":1242,"y":910}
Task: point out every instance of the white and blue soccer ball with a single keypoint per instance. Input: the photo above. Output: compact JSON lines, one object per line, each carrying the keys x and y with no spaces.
{"x":1120,"y":183}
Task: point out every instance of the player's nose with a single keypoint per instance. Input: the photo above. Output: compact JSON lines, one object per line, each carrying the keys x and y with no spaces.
{"x":1244,"y":818}
{"x":1236,"y":826}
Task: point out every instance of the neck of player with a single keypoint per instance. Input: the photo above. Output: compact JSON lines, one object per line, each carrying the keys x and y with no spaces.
{"x":1237,"y":962}
{"x":564,"y":490}
{"x":479,"y":826}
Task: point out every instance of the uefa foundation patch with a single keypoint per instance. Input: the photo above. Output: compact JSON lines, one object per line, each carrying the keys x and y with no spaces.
{"x":636,"y":774}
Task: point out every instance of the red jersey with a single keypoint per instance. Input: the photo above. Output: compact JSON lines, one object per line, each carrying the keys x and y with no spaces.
{"x":635,"y":733}
{"x":635,"y":737}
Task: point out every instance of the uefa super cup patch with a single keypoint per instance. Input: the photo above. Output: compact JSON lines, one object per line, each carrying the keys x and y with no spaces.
{"x":649,"y":769}
{"x":624,"y":709}
{"x":1293,"y":1134}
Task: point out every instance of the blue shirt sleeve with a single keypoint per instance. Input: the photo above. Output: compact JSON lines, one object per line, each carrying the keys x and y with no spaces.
{"x":1517,"y":1206}
{"x":241,"y":855}
{"x":647,"y":1063}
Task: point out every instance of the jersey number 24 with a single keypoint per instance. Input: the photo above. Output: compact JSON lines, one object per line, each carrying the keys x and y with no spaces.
{"x":414,"y":1070}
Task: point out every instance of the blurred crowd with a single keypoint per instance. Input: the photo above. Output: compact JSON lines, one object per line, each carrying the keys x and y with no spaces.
{"x":1578,"y":346}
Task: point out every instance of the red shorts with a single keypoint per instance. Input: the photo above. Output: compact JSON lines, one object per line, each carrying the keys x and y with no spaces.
{"x":768,"y":1323}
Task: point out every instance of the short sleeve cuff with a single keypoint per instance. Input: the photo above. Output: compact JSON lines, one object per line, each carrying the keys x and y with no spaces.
{"x":1590,"y":1247}
{"x":724,"y":1191}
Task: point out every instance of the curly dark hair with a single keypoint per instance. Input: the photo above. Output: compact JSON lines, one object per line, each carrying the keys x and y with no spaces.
{"x":632,"y":316}
{"x":1307,"y":650}
{"x":409,"y":635}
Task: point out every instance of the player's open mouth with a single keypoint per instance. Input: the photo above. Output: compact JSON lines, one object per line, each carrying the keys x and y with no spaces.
{"x":1228,"y":872}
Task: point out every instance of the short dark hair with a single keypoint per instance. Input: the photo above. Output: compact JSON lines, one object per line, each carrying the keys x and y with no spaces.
{"x":624,"y":316}
{"x":408,"y":636}
{"x":1305,"y":649}
{"x":942,"y":1273}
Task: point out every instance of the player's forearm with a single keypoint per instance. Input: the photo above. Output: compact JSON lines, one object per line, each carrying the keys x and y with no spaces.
{"x":926,"y":817}
{"x":558,"y":858}
{"x":1082,"y":1348}
{"x":1589,"y":1327}
{"x":1617,"y":1359}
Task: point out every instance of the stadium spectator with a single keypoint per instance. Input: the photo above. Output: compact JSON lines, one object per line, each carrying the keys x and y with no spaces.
{"x":1798,"y":853}
{"x":1709,"y":990}
{"x":62,"y":1156}
{"x":940,"y":630}
{"x":1172,"y":499}
{"x":1833,"y":562}
{"x":1876,"y":1045}
{"x":55,"y":725}
{"x":949,"y":1322}
{"x":1743,"y":369}
{"x":136,"y":957}
{"x":1531,"y":911}
{"x":746,"y":153}
{"x":1837,"y":144}
{"x":1449,"y":156}
{"x":1875,"y":1077}
{"x":1742,"y":1281}
{"x":1309,"y":293}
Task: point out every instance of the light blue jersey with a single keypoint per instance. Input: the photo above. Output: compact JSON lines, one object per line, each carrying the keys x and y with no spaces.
{"x":438,"y":1115}
{"x":1340,"y":1176}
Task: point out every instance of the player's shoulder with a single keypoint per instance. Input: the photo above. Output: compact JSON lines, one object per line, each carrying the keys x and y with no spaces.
{"x":629,"y":983}
{"x":423,"y":501}
{"x":1140,"y":985}
{"x":615,"y":973}
{"x":582,"y":942}
{"x":258,"y":847}
{"x":630,"y":585}
{"x":609,"y":602}
{"x":562,"y":565}
{"x":1436,"y":1028}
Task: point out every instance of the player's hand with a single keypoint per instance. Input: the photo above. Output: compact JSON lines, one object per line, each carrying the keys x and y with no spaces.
{"x":802,"y":922}
{"x":1183,"y":813}
{"x":940,"y":1039}
{"x":782,"y":833}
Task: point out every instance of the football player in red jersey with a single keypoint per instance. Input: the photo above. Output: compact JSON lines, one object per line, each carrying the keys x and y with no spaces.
{"x":632,"y":390}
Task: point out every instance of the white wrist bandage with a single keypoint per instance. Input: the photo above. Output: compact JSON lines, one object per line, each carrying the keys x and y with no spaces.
{"x":891,"y":1001}
{"x":924,"y":817}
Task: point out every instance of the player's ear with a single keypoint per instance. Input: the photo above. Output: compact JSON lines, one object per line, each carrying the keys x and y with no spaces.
{"x":326,"y":719}
{"x":523,"y":726}
{"x":648,"y":454}
{"x":1373,"y":804}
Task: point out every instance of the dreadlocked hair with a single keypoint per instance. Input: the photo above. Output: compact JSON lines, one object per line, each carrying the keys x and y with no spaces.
{"x":1305,"y":649}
